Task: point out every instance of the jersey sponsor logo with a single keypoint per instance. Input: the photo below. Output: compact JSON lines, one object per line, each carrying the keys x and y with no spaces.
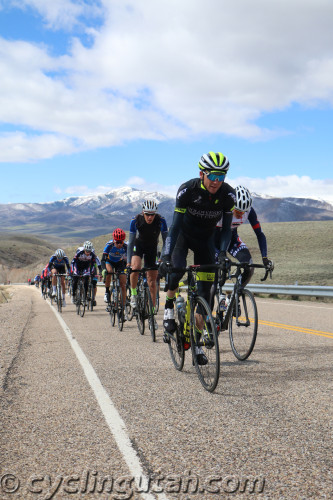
{"x":207,"y":214}
{"x":181,"y":192}
{"x":84,"y":257}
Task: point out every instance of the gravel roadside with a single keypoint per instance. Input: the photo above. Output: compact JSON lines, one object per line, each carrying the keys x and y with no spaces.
{"x":14,"y":316}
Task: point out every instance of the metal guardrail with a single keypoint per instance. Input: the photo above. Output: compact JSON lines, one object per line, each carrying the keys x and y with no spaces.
{"x":294,"y":290}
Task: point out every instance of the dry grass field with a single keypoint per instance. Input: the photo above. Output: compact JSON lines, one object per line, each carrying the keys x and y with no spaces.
{"x":302,"y":252}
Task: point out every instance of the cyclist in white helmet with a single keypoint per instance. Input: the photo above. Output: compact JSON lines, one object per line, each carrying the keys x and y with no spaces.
{"x":145,"y":229}
{"x":58,"y":264}
{"x":244,"y":212}
{"x":84,"y":263}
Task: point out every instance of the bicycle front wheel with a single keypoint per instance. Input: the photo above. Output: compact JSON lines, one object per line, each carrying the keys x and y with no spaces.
{"x":176,"y":346}
{"x":59,"y":295}
{"x":129,"y":308}
{"x":83,"y":301}
{"x":205,"y":346}
{"x":150,"y":315}
{"x":112,"y":307}
{"x":90,"y":296}
{"x":78,"y":298}
{"x":243,"y":325}
{"x":140,"y":312}
{"x":120,"y":309}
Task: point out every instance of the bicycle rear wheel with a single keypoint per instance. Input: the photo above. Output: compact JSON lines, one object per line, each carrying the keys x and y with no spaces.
{"x":120,"y":309}
{"x":157,"y":303}
{"x":243,"y":326}
{"x":140,"y":311}
{"x":205,"y":346}
{"x":150,"y":314}
{"x":176,"y":346}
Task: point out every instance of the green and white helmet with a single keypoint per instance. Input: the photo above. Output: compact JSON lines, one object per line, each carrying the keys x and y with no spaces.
{"x":216,"y":162}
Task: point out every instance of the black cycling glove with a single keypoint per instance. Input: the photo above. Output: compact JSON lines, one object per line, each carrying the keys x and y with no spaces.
{"x":164,"y":265}
{"x":223,"y":259}
{"x":269,"y":264}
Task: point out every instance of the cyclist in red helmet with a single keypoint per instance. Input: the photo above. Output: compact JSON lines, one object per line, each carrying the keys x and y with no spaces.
{"x":114,"y":259}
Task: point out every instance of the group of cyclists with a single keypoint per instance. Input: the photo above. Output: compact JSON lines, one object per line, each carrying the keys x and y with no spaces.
{"x":207,"y":214}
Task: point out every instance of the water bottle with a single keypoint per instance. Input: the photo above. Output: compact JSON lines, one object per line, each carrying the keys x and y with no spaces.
{"x":180,"y":306}
{"x":222,"y":302}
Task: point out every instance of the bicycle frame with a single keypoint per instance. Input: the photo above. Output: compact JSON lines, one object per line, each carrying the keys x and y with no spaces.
{"x":233,"y":298}
{"x":116,"y":296}
{"x":144,"y":309}
{"x":199,"y":334}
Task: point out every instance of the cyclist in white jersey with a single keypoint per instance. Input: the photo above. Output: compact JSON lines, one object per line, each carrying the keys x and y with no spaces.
{"x":237,"y":248}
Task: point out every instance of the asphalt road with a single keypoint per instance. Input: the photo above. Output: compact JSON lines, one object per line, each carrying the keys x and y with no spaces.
{"x":85,"y":408}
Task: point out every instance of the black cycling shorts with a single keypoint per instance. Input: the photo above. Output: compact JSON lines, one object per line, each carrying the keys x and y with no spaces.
{"x":117,"y":266}
{"x":149,"y":253}
{"x":204,"y":253}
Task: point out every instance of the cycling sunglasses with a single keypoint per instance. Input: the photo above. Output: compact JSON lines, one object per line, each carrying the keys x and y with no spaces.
{"x":119,"y":241}
{"x":149,"y":214}
{"x":215,"y":177}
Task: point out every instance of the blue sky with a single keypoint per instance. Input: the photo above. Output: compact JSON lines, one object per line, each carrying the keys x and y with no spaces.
{"x":99,"y":94}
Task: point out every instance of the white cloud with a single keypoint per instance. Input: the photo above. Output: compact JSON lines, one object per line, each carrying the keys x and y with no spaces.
{"x":164,"y":70}
{"x":289,"y":186}
{"x":19,"y":147}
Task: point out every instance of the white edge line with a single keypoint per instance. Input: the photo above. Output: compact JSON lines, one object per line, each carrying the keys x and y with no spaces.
{"x":113,"y":419}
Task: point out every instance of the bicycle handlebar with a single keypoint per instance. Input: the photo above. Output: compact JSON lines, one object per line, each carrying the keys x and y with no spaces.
{"x":225,"y":267}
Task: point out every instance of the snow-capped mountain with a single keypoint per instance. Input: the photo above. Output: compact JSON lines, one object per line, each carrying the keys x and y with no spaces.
{"x":90,"y":216}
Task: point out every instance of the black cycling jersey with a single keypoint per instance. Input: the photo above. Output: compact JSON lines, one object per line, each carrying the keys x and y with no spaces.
{"x":199,"y":211}
{"x":145,"y":235}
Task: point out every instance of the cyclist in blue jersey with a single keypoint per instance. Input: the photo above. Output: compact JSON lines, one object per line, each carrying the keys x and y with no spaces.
{"x":37,"y":280}
{"x":145,"y":229}
{"x":58,"y":264}
{"x":114,"y":258}
{"x":200,"y":203}
{"x":237,"y":248}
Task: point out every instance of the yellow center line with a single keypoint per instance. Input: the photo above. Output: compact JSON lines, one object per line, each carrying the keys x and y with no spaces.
{"x":297,"y":329}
